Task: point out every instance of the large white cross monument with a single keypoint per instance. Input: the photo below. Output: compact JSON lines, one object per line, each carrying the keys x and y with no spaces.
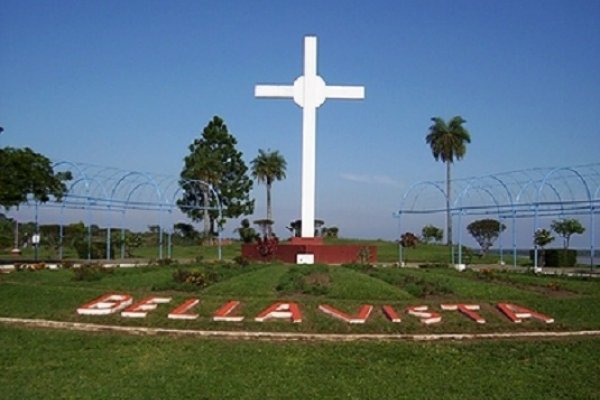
{"x":309,"y":91}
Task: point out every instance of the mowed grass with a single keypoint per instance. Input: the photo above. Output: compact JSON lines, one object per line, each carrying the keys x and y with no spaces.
{"x":39,"y":363}
{"x":573,"y":303}
{"x":387,"y":252}
{"x":74,"y":365}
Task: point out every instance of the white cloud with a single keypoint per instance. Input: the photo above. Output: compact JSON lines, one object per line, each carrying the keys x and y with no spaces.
{"x":371,"y":179}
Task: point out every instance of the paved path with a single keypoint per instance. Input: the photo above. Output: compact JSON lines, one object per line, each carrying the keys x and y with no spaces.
{"x":291,"y":336}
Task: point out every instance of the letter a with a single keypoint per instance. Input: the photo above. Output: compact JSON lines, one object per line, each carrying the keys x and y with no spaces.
{"x":359,"y":318}
{"x":281,"y":310}
{"x":517,"y":313}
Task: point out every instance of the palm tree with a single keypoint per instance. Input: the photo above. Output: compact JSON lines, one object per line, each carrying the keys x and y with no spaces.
{"x":268,"y":167}
{"x":448,"y":142}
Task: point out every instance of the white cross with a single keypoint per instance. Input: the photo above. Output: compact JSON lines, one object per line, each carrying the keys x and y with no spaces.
{"x":309,"y":91}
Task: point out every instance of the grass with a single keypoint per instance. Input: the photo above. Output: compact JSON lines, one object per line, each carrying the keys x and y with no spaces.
{"x":56,"y":364}
{"x":574,"y":303}
{"x":387,"y":252}
{"x":38,"y":363}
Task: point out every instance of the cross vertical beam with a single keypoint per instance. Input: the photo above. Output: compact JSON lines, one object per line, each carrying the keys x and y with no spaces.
{"x":309,"y":91}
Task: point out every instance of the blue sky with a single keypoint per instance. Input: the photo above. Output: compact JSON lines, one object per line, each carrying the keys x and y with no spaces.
{"x":130,"y":84}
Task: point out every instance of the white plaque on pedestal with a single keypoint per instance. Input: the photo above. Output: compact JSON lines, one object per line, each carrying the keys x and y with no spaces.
{"x":305,"y":259}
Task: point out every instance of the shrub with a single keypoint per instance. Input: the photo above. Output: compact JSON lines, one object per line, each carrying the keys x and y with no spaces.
{"x":433,"y":265}
{"x":556,"y":257}
{"x":195,"y":278}
{"x":241,"y":261}
{"x":315,"y":280}
{"x":364,"y":256}
{"x":561,"y":258}
{"x":97,"y":250}
{"x":90,"y":272}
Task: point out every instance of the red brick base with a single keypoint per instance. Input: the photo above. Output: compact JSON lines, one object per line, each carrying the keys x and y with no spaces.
{"x":323,"y":253}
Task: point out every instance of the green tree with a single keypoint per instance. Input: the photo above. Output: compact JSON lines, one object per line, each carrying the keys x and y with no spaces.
{"x":566,"y":228}
{"x":448,"y":142}
{"x":541,"y":238}
{"x":485,"y":232}
{"x":267,"y":167}
{"x":213,"y":159}
{"x":247,"y":233}
{"x":330,"y":232}
{"x":24,"y":173}
{"x":409,"y":239}
{"x":432,"y":233}
{"x":186,"y":231}
{"x":132,"y":241}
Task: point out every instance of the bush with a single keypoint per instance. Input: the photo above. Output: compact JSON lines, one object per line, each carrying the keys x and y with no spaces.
{"x":556,"y":257}
{"x":314,"y":281}
{"x":195,"y":278}
{"x":241,"y":261}
{"x":561,"y":258}
{"x":97,"y":250}
{"x":90,"y":272}
{"x":433,"y":265}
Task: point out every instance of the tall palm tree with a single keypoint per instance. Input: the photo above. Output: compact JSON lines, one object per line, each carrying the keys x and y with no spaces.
{"x":448,"y":142}
{"x":268,"y":167}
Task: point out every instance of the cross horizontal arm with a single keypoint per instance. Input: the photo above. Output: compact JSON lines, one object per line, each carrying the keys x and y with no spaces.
{"x":273,"y":91}
{"x":345,"y":92}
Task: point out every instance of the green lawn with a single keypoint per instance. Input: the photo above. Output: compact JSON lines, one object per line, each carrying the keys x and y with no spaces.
{"x":387,"y":252}
{"x":72,"y":365}
{"x":39,"y":363}
{"x":573,"y":303}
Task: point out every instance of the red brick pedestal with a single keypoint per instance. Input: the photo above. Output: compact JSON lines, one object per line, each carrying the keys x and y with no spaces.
{"x":323,"y":253}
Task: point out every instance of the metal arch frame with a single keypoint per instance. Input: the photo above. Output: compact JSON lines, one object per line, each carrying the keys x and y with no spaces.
{"x":149,"y":181}
{"x":121,"y":199}
{"x":461,"y":213}
{"x":215,"y":194}
{"x":514,"y":184}
{"x":537,"y":204}
{"x":398,"y":214}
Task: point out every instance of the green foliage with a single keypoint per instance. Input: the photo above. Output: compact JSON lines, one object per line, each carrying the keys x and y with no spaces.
{"x":195,"y":278}
{"x":132,"y":241}
{"x":95,"y":250}
{"x":90,"y":272}
{"x":25,"y":173}
{"x":296,"y":227}
{"x":417,"y":286}
{"x":432,"y":233}
{"x":315,"y":280}
{"x":185,"y":233}
{"x":485,"y":232}
{"x":7,"y":227}
{"x":241,"y":261}
{"x":170,"y":366}
{"x":542,"y":237}
{"x":409,"y":239}
{"x":364,"y":255}
{"x":214,"y":160}
{"x":566,"y":228}
{"x":560,"y":258}
{"x":433,"y":265}
{"x":247,"y":233}
{"x":448,"y":142}
{"x":267,"y":167}
{"x":331,"y":232}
